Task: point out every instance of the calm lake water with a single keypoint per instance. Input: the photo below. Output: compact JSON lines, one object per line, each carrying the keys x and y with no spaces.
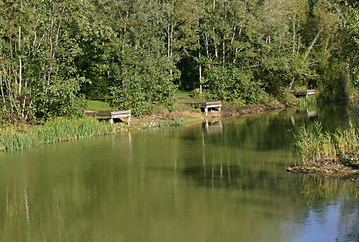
{"x":217,"y":182}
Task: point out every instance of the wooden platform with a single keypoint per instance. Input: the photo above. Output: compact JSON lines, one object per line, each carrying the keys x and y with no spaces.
{"x":209,"y":105}
{"x":111,"y":115}
{"x":302,"y":93}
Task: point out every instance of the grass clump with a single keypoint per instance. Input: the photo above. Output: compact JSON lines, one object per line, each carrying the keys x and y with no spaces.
{"x":316,"y":146}
{"x":171,"y":123}
{"x":55,"y":130}
{"x":168,"y":123}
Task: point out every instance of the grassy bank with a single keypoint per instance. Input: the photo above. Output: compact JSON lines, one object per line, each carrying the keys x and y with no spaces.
{"x":320,"y":151}
{"x":56,"y":130}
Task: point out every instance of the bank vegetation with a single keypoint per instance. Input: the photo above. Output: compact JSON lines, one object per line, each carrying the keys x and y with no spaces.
{"x":327,"y":153}
{"x":55,"y":130}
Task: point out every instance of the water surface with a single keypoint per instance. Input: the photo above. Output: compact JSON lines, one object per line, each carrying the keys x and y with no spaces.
{"x":217,"y":182}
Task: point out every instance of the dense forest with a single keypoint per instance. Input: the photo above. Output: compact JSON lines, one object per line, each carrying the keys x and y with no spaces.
{"x":56,"y":54}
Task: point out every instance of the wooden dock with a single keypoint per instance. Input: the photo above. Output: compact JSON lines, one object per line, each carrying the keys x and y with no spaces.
{"x":111,"y":115}
{"x":206,"y":106}
{"x":302,"y":93}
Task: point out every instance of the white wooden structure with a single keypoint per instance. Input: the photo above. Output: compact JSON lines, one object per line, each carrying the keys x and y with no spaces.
{"x":111,"y":115}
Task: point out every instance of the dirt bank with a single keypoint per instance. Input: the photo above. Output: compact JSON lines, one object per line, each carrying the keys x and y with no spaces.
{"x":251,"y":110}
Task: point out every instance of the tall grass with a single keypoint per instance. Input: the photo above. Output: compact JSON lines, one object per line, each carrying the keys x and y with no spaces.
{"x":316,"y":146}
{"x":55,"y":130}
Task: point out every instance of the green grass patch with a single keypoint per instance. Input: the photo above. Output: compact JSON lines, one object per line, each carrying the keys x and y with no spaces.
{"x":96,"y":105}
{"x":193,"y":120}
{"x":171,"y":123}
{"x":182,"y":107}
{"x":192,"y":96}
{"x":316,"y":146}
{"x":55,"y":130}
{"x":165,"y":124}
{"x":183,"y":95}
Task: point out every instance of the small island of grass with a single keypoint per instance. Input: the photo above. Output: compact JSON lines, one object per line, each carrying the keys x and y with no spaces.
{"x":325,"y":153}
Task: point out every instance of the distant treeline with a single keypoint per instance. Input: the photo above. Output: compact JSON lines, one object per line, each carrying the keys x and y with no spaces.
{"x":54,"y":54}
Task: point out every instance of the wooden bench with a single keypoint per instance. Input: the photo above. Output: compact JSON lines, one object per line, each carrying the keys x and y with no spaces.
{"x":111,"y":115}
{"x":302,"y":93}
{"x":209,"y":105}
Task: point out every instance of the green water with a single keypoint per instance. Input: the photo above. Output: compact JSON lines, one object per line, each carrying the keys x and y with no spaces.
{"x":221,"y":182}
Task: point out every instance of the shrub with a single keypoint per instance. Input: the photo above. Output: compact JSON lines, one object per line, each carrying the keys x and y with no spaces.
{"x":232,"y":84}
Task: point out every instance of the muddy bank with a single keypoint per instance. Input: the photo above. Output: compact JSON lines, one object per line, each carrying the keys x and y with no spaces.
{"x":251,"y":110}
{"x":327,"y":169}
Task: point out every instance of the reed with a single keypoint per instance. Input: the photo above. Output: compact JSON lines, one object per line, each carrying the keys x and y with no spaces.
{"x":55,"y":130}
{"x":316,"y":146}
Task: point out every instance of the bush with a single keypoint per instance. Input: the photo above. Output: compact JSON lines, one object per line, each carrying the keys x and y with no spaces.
{"x":232,"y":84}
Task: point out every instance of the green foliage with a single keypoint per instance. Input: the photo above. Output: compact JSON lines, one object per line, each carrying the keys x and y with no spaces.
{"x":232,"y":84}
{"x":54,"y":54}
{"x":55,"y":130}
{"x":140,"y":95}
{"x":38,"y":75}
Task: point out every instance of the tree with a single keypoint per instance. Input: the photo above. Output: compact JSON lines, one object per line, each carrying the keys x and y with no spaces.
{"x":38,"y":49}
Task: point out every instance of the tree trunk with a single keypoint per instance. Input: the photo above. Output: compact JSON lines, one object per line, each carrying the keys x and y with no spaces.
{"x":224,"y":50}
{"x":215,"y":45}
{"x":312,"y":44}
{"x":294,"y":35}
{"x":207,"y":49}
{"x":2,"y":88}
{"x":20,"y":61}
{"x":200,"y":66}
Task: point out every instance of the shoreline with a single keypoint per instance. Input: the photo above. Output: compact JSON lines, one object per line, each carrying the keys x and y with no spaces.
{"x":326,"y":170}
{"x":23,"y":136}
{"x":191,"y":116}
